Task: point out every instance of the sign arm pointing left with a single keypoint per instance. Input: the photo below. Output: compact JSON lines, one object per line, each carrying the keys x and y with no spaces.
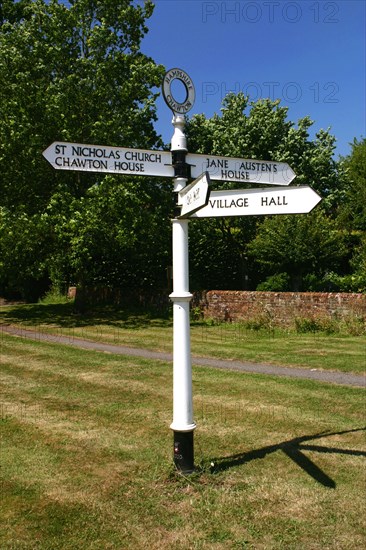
{"x":117,"y":160}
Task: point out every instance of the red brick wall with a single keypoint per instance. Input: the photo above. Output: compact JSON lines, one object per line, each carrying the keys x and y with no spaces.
{"x":283,"y":307}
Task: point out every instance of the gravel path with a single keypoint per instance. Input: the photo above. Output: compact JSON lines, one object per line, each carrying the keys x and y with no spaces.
{"x":333,"y":377}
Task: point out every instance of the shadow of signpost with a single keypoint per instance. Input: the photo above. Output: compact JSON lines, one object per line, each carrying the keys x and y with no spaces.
{"x":293,"y":449}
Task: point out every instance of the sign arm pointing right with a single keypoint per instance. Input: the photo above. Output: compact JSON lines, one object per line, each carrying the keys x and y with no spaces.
{"x":257,"y":202}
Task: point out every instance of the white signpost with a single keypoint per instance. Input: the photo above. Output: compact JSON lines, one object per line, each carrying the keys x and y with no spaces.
{"x":241,"y":170}
{"x":194,"y":201}
{"x":194,"y":196}
{"x":257,"y":202}
{"x":117,"y":160}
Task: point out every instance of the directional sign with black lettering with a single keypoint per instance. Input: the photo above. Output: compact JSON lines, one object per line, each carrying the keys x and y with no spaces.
{"x":117,"y":160}
{"x":241,"y":170}
{"x":194,"y":196}
{"x":256,"y":202}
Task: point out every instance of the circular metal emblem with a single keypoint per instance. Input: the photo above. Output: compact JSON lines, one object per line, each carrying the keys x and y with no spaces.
{"x":176,"y":106}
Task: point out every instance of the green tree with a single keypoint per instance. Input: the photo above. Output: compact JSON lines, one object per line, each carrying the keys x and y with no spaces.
{"x":253,"y":130}
{"x":352,"y":219}
{"x":71,"y":72}
{"x":355,"y":278}
{"x":353,"y":209}
{"x":117,"y":235}
{"x":12,"y":12}
{"x":305,"y":247}
{"x":22,"y":239}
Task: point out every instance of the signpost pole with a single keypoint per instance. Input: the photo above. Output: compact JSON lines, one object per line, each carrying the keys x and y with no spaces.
{"x":193,"y":202}
{"x":183,"y":424}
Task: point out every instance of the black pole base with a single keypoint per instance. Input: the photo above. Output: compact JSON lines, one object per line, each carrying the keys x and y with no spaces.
{"x":183,"y":452}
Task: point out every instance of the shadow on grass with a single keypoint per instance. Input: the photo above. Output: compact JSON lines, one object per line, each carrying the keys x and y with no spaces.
{"x":65,"y":315}
{"x":293,"y":449}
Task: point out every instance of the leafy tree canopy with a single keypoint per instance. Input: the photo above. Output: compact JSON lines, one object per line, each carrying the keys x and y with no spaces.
{"x":353,"y":209}
{"x":70,"y":73}
{"x":259,"y":130}
{"x":74,"y":72}
{"x":303,"y":246}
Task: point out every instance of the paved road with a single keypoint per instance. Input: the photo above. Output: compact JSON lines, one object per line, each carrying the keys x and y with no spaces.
{"x":243,"y":366}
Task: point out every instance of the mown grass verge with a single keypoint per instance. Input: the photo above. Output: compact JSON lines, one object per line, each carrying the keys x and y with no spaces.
{"x":313,"y":350}
{"x":86,"y":457}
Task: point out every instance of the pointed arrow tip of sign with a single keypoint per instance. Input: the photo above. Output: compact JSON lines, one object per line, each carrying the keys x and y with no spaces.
{"x":47,"y":153}
{"x":317,"y":197}
{"x":289,"y":175}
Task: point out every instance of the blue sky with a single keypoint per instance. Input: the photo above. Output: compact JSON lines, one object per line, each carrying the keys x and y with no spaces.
{"x":310,"y":54}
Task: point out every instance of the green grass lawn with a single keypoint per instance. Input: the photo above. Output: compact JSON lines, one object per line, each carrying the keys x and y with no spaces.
{"x":86,"y":456}
{"x":338,"y":351}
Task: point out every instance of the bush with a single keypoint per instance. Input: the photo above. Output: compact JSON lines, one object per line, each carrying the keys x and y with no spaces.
{"x":54,"y":296}
{"x":275,"y":283}
{"x":303,"y":325}
{"x":355,"y":325}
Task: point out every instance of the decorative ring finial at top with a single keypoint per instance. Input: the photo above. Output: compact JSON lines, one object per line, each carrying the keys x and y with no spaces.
{"x":176,"y":106}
